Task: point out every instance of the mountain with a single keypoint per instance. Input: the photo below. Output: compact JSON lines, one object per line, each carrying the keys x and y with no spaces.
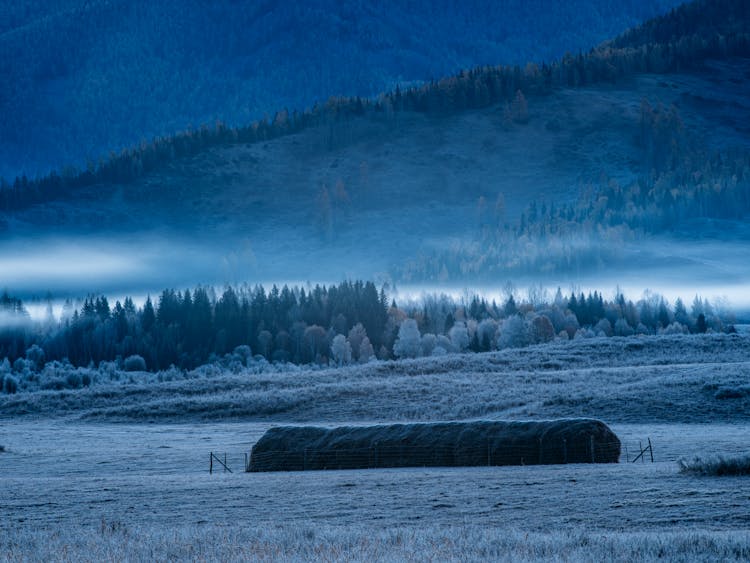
{"x":627,"y":164}
{"x":86,"y":77}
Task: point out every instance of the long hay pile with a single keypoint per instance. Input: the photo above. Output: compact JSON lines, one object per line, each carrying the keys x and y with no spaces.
{"x":445,"y":444}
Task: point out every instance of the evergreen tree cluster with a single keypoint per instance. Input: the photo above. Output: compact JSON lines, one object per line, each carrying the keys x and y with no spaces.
{"x":190,"y":328}
{"x":336,"y":325}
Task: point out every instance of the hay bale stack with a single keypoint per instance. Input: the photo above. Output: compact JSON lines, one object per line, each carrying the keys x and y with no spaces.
{"x":443,"y":444}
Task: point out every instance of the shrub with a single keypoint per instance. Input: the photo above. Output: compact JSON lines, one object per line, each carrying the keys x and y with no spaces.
{"x":716,"y":467}
{"x":244,"y":353}
{"x":73,"y":380}
{"x":134,"y":363}
{"x":733,"y":392}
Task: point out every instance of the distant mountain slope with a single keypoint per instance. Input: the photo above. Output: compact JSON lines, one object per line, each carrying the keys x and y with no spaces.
{"x":83,"y":77}
{"x":465,"y":178}
{"x":414,"y":196}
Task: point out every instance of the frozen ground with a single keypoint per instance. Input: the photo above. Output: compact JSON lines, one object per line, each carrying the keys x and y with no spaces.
{"x":77,"y":485}
{"x":134,"y":487}
{"x":158,"y":475}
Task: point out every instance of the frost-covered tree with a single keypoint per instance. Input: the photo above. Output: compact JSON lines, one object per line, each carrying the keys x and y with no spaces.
{"x":486,"y":334}
{"x":622,"y":328}
{"x":513,"y":333}
{"x":459,"y":336}
{"x":341,"y":350}
{"x":674,"y":328}
{"x":429,"y":342}
{"x":603,"y":328}
{"x":409,"y":341}
{"x":541,"y":329}
{"x":366,"y":352}
{"x":356,"y":335}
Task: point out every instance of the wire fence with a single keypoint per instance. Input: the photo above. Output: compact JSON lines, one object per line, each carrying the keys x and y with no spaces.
{"x":405,"y":455}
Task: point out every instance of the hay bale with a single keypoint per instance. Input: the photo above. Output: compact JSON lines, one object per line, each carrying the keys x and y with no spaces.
{"x":442,"y":444}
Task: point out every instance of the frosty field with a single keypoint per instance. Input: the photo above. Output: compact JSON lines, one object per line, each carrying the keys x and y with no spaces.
{"x":105,"y":474}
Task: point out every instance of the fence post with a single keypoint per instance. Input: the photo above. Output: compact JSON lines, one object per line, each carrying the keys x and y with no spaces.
{"x":211,"y":463}
{"x":591,"y":442}
{"x":651,"y":450}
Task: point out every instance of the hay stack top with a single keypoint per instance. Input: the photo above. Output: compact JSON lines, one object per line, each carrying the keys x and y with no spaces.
{"x":298,"y":448}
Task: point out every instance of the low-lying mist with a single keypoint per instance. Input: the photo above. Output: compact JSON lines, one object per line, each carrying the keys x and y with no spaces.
{"x":48,"y":270}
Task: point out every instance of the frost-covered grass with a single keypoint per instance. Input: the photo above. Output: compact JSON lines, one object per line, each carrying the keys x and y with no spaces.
{"x":114,"y":541}
{"x":716,"y":466}
{"x":642,"y":379}
{"x":90,"y":490}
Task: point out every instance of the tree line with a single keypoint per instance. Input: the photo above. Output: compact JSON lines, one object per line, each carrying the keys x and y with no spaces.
{"x":336,"y":325}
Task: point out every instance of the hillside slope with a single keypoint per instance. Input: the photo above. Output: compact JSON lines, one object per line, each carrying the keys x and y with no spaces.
{"x":90,"y":76}
{"x":315,"y":204}
{"x":691,"y":379}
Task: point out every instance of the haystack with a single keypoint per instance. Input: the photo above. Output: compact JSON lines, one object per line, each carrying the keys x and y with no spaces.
{"x":446,"y":444}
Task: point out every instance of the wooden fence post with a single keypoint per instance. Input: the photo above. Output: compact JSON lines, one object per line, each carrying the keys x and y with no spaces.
{"x":651,"y":450}
{"x":211,"y":463}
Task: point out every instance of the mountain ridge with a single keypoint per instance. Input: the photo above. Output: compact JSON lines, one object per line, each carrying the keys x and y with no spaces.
{"x":93,"y":76}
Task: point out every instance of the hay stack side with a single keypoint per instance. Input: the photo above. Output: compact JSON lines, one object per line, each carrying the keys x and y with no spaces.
{"x":446,"y":444}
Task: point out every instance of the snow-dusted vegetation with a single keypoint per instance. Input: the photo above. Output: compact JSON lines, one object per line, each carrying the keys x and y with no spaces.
{"x":101,"y":488}
{"x":657,"y":378}
{"x":349,"y":323}
{"x":115,"y":541}
{"x":717,"y":466}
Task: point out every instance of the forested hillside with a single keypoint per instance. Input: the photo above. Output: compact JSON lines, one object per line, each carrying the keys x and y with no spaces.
{"x":593,"y":164}
{"x":85,"y":77}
